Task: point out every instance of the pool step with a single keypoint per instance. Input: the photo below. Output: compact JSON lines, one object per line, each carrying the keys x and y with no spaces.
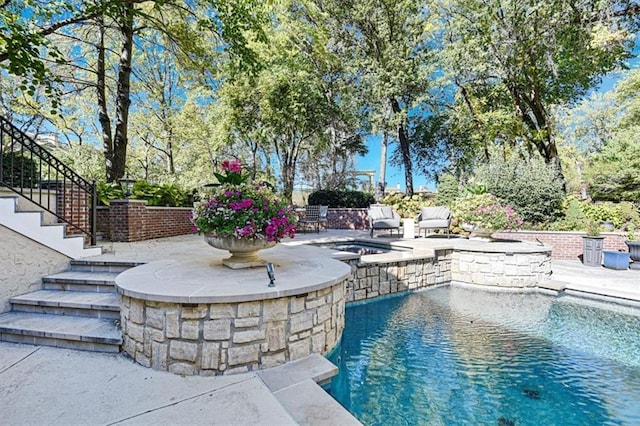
{"x":296,"y":386}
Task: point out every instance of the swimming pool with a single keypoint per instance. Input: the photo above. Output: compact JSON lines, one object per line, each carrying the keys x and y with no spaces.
{"x":455,"y":355}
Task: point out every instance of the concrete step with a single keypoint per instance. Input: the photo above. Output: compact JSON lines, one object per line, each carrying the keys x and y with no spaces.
{"x":87,"y":265}
{"x":71,"y":303}
{"x":91,"y":334}
{"x":99,"y":282}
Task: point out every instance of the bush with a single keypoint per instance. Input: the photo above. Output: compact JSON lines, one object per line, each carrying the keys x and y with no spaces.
{"x":347,"y":199}
{"x":24,"y":172}
{"x":406,"y":206}
{"x":447,"y":190}
{"x":159,"y":195}
{"x":154,"y":194}
{"x":530,"y":186}
{"x":107,"y":192}
{"x":462,"y":208}
{"x":577,"y":213}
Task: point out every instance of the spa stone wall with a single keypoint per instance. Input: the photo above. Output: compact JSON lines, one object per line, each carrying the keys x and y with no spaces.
{"x":227,"y":338}
{"x":369,"y":280}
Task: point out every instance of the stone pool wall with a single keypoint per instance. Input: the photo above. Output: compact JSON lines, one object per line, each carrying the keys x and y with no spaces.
{"x":226,"y":338}
{"x":371,"y":279}
{"x":501,"y":269}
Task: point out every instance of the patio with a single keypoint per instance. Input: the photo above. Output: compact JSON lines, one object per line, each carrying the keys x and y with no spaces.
{"x":50,"y":385}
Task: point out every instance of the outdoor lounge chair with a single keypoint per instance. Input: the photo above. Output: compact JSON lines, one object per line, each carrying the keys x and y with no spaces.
{"x":438,"y":217}
{"x":311,"y":218}
{"x":383,"y":217}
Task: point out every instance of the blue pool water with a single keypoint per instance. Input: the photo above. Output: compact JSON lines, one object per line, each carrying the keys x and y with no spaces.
{"x":453,"y":355}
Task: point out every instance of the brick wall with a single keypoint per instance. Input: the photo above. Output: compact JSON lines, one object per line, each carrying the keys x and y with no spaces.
{"x":132,"y":220}
{"x":565,"y":245}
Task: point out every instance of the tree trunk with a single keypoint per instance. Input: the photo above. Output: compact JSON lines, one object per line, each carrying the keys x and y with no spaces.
{"x":382,"y":184}
{"x":103,"y":114}
{"x":122,"y":98}
{"x":405,"y":151}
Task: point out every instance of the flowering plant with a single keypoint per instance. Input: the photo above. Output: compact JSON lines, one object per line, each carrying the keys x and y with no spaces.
{"x":495,"y":217}
{"x":243,"y":210}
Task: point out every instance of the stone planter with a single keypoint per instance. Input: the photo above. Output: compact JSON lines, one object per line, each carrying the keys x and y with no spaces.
{"x":244,"y":253}
{"x":634,"y":253}
{"x":592,"y":251}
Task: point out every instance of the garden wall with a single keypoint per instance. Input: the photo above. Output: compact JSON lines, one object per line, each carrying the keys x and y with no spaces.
{"x":343,"y":218}
{"x":132,"y":220}
{"x":565,"y":245}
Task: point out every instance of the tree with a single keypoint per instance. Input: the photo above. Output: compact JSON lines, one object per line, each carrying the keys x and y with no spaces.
{"x":386,"y":46}
{"x":515,"y":60}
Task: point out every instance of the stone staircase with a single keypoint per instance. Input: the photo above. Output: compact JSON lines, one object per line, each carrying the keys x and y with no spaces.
{"x":76,"y":309}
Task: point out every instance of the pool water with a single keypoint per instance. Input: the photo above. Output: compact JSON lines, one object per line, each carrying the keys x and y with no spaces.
{"x":452,"y":355}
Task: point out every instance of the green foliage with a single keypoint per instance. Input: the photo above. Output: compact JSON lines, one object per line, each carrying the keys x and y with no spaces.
{"x":407,"y":206}
{"x":476,"y":189}
{"x":159,"y":195}
{"x":574,"y":216}
{"x":579,"y":213}
{"x":462,"y":208}
{"x":617,"y":213}
{"x":108,"y":191}
{"x":593,"y":228}
{"x":348,"y":199}
{"x":532,"y":187}
{"x":447,"y":190}
{"x":19,"y":170}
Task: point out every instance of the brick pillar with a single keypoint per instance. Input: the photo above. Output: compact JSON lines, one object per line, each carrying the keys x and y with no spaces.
{"x":72,"y":204}
{"x":127,"y":220}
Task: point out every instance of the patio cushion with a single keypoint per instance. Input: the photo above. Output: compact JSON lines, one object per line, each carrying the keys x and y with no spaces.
{"x":380,"y":212}
{"x":437,"y":212}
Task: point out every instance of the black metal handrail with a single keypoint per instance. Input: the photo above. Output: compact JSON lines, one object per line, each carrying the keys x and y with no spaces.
{"x":28,"y":169}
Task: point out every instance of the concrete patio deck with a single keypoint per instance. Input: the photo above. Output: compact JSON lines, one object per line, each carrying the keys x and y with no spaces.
{"x":42,"y":385}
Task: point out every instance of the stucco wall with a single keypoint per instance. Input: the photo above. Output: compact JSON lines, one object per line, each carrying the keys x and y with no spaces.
{"x":23,"y":263}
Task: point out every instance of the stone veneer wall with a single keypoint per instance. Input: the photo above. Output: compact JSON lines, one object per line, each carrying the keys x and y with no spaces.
{"x":23,"y":263}
{"x":501,"y":269}
{"x":372,"y":279}
{"x":227,"y":338}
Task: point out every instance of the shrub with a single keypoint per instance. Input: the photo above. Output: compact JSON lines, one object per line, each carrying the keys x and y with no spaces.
{"x":447,"y":190}
{"x":154,"y":194}
{"x":347,"y":199}
{"x":406,"y":206}
{"x":530,"y":186}
{"x":24,"y":172}
{"x":107,"y":192}
{"x":159,"y":195}
{"x":461,"y":208}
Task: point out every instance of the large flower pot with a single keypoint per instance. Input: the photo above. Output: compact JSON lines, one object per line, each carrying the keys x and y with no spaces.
{"x":244,"y":252}
{"x":615,"y":259}
{"x":592,"y":251}
{"x":634,"y":253}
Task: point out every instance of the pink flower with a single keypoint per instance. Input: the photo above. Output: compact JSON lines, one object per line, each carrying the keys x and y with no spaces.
{"x":231,"y":166}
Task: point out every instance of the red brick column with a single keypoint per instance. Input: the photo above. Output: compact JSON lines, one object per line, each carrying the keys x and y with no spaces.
{"x":127,"y":220}
{"x":72,"y":204}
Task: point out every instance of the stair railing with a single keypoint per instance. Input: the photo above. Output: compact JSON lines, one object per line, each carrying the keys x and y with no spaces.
{"x":32,"y":172}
